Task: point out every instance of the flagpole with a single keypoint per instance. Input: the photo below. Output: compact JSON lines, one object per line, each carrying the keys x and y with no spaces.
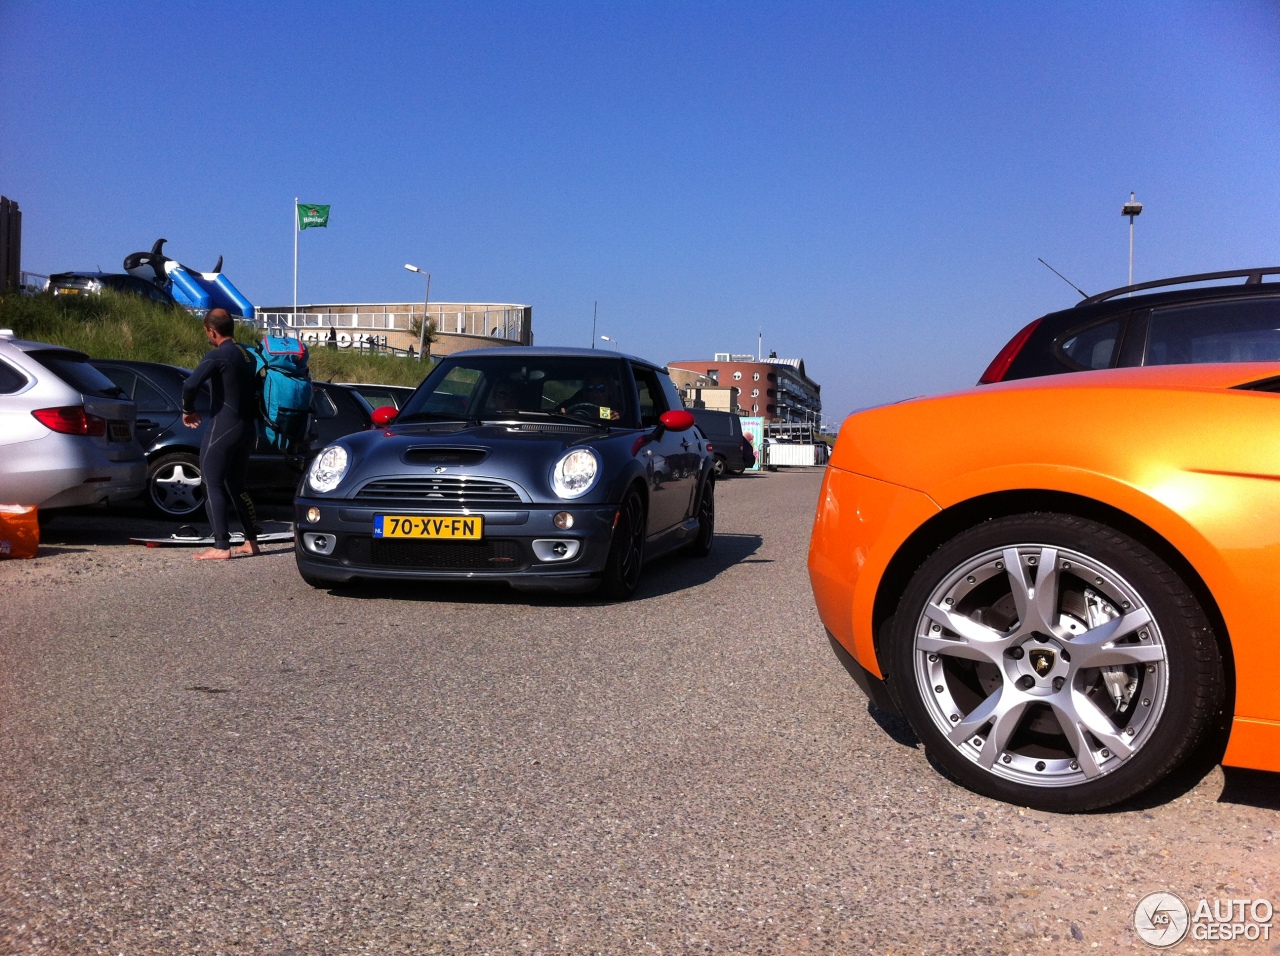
{"x":295,"y":261}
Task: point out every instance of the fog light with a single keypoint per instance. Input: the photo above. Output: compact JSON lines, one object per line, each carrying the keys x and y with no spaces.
{"x":563,"y":520}
{"x":319,"y":543}
{"x":551,"y":549}
{"x":313,"y":515}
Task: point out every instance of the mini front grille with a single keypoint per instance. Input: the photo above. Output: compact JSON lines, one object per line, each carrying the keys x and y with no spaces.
{"x":436,"y":555}
{"x":434,"y":491}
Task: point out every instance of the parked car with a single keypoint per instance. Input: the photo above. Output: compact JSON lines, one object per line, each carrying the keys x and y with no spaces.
{"x":91,"y":283}
{"x":381,"y":396}
{"x":1159,"y":325}
{"x":560,"y":469}
{"x":728,"y":444}
{"x":66,"y":432}
{"x":175,"y":485}
{"x":1064,"y":622}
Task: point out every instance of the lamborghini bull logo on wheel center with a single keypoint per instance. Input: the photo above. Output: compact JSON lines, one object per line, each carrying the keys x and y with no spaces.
{"x":1041,"y":660}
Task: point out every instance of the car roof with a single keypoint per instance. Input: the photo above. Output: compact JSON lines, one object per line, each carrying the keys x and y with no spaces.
{"x":1117,"y":301}
{"x":26,"y":345}
{"x":542,"y":351}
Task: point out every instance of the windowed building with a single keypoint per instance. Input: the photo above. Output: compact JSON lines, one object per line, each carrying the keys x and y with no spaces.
{"x":775,"y":389}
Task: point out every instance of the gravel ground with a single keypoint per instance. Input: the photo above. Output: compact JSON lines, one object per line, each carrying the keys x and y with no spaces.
{"x":216,"y":758}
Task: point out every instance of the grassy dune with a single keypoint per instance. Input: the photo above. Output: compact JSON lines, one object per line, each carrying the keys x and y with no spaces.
{"x":112,"y":325}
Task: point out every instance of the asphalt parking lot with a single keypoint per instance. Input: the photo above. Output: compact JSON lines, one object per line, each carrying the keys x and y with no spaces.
{"x":215,"y":758}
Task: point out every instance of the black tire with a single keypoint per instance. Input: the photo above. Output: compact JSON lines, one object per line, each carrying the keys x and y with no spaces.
{"x":175,"y":485}
{"x":626,"y":552}
{"x":719,"y":467}
{"x":1038,"y":698}
{"x":700,"y":547}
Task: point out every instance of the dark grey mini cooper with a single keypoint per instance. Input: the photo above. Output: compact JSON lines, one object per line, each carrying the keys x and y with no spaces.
{"x":549,"y":469}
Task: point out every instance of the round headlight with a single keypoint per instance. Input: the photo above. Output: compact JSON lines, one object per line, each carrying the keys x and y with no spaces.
{"x":328,"y":468}
{"x":575,"y":473}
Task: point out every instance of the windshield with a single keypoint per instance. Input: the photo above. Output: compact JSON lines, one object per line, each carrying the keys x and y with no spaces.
{"x":595,"y":391}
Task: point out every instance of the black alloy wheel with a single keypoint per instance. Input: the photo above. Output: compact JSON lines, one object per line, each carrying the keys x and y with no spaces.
{"x":626,"y":553}
{"x":700,"y":547}
{"x":1054,"y":662}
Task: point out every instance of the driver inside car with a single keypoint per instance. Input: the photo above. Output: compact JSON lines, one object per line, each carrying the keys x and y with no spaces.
{"x":600,"y":391}
{"x":505,"y":397}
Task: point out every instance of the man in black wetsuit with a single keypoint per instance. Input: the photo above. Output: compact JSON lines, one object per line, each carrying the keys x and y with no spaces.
{"x":230,"y":437}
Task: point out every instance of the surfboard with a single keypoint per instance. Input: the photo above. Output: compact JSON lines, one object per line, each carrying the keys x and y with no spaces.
{"x":191,"y":540}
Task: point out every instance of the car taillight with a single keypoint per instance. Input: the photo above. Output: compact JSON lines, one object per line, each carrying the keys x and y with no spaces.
{"x":71,"y":420}
{"x":1000,"y":364}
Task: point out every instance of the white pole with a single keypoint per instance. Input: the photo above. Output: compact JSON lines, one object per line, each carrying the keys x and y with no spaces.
{"x":1131,"y":249}
{"x":422,"y":329}
{"x":295,"y":261}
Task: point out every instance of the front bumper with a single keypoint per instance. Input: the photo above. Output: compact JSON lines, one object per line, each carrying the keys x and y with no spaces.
{"x":518,"y":547}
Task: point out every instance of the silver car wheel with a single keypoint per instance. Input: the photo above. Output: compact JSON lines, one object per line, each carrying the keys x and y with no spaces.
{"x":1041,"y":665}
{"x":177,"y":486}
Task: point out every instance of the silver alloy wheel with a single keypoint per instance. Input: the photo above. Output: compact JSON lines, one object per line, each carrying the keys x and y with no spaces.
{"x":177,"y":487}
{"x":1041,"y":665}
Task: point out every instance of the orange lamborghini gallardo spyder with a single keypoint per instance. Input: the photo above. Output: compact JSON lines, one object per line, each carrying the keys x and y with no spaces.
{"x":1066,"y":584}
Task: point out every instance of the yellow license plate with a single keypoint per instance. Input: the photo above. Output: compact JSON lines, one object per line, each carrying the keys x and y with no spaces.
{"x":467,"y":528}
{"x":120,"y":431}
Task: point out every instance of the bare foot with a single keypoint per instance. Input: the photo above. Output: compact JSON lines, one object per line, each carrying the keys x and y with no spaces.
{"x":213,"y":554}
{"x":248,"y":549}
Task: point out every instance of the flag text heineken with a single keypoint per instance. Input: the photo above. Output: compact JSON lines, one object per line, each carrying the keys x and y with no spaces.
{"x":309,"y":215}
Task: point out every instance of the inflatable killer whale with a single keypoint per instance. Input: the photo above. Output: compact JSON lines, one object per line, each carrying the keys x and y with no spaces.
{"x":196,"y":290}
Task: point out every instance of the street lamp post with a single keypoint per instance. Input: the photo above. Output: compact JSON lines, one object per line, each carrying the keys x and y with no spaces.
{"x":1132,"y":209}
{"x":613,"y":342}
{"x":426,"y":299}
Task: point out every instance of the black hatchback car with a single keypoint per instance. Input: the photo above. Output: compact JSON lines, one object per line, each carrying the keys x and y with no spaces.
{"x":1151,"y":323}
{"x":556,"y":469}
{"x":175,"y":486}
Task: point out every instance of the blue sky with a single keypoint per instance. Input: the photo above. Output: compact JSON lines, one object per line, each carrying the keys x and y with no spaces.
{"x":869,"y":183}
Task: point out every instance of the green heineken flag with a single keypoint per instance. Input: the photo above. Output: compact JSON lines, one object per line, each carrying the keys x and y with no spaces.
{"x":309,"y":215}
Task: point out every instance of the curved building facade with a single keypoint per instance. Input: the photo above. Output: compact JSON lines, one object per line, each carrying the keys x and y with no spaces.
{"x":395,"y":325}
{"x":776,"y":389}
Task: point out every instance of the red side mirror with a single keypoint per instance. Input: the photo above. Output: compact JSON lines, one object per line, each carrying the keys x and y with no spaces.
{"x":678,"y":420}
{"x":384,"y":416}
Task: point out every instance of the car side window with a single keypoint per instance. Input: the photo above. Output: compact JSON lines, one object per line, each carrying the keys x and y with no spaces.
{"x":148,"y":398}
{"x":11,"y":380}
{"x":1091,"y":348}
{"x":125,"y":379}
{"x":652,"y":401}
{"x":322,"y":404}
{"x":1240,"y":330}
{"x":671,"y":393}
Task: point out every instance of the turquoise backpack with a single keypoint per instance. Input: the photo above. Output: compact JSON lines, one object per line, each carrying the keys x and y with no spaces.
{"x":284,"y":391}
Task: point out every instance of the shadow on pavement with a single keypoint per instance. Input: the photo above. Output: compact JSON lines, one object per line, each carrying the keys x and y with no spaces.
{"x":895,"y":725}
{"x":667,"y":575}
{"x":116,"y":525}
{"x":1251,"y":788}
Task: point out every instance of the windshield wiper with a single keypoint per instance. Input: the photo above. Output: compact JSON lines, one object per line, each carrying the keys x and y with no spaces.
{"x":432,"y":417}
{"x":556,"y":417}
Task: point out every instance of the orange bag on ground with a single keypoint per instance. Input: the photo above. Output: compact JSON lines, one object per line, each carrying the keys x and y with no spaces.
{"x":19,"y":531}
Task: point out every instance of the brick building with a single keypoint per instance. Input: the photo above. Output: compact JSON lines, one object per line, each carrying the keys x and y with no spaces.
{"x":777,"y":390}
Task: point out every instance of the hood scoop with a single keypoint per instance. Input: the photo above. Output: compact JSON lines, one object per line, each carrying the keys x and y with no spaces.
{"x":436,"y":455}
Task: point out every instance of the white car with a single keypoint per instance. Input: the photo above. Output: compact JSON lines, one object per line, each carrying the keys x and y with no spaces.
{"x":67,"y":433}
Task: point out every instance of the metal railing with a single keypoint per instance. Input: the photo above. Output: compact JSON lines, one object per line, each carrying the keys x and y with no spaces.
{"x":32,"y":282}
{"x":490,"y":323}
